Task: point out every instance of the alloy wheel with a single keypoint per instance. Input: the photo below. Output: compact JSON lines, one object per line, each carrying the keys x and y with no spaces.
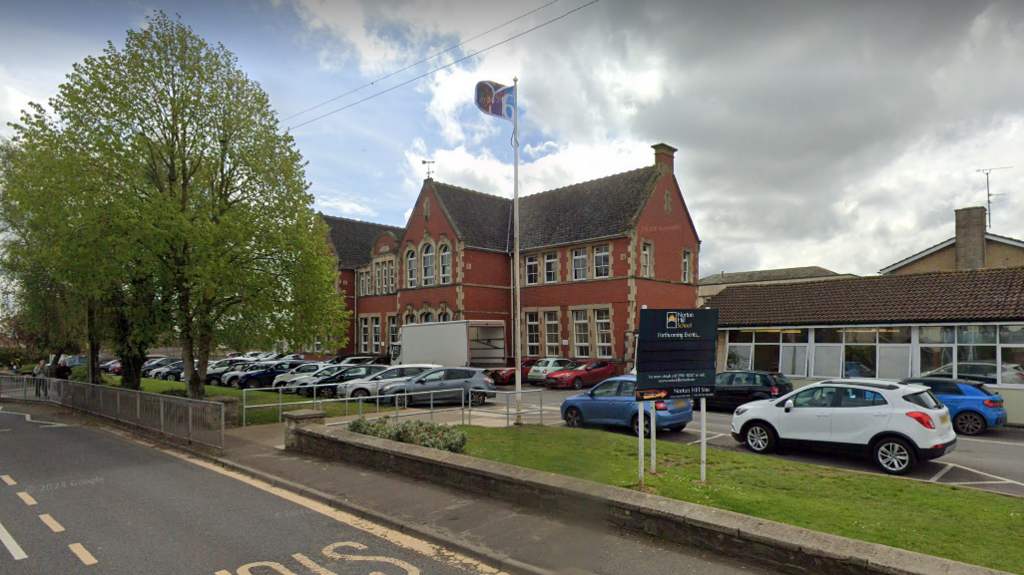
{"x":573,"y":417}
{"x":893,"y":456}
{"x":577,"y":383}
{"x":969,"y":423}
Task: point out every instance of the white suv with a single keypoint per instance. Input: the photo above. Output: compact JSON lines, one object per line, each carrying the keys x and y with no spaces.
{"x":897,"y":425}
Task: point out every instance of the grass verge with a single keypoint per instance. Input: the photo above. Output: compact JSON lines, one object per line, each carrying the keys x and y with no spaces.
{"x":942,"y":520}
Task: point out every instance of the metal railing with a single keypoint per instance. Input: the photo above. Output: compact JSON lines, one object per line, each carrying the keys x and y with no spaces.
{"x":195,"y":421}
{"x":399,"y":405}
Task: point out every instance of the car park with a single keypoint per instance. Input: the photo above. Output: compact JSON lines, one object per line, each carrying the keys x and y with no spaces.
{"x":329,"y":386}
{"x":149,"y":366}
{"x":162,"y":371}
{"x":895,"y":424}
{"x":232,"y":378}
{"x":613,"y":402}
{"x":973,"y":407}
{"x":581,"y":375}
{"x":443,"y":385}
{"x":265,"y":377}
{"x":303,"y":370}
{"x":215,"y":372}
{"x":294,"y":385}
{"x":365,"y":387}
{"x":734,"y":388}
{"x":507,"y":375}
{"x":541,"y":369}
{"x":174,"y":372}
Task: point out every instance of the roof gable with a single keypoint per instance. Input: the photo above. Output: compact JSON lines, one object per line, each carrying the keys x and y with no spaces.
{"x":949,"y":296}
{"x":480,"y":220}
{"x":353,"y":240}
{"x":945,"y":244}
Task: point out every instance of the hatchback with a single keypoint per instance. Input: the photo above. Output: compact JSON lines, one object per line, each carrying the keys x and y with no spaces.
{"x":445,"y":384}
{"x":577,"y":376}
{"x":540,"y":370}
{"x":614,"y":403}
{"x":895,"y":424}
{"x":734,"y":388}
{"x":367,"y":386}
{"x":973,"y":407}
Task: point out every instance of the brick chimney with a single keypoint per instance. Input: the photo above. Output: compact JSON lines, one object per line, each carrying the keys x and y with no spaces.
{"x":664,"y":154}
{"x":970,"y":238}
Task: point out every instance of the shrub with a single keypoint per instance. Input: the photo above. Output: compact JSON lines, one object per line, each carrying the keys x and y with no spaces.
{"x":424,"y":433}
{"x":80,"y":373}
{"x":175,"y":392}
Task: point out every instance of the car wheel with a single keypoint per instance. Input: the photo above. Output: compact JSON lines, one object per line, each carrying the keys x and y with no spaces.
{"x":647,"y":426}
{"x":215,"y":381}
{"x":574,"y":417}
{"x":894,"y":456}
{"x":360,"y":393}
{"x":970,"y":423}
{"x":233,"y":382}
{"x":172,"y":377}
{"x":760,"y":438}
{"x":402,"y":401}
{"x":677,"y":428}
{"x":577,"y":383}
{"x":477,"y":398}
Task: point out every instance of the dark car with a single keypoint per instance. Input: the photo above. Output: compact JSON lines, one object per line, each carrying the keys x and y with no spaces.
{"x":734,"y":388}
{"x":149,"y":366}
{"x":265,"y":377}
{"x":341,"y":376}
{"x":444,"y":384}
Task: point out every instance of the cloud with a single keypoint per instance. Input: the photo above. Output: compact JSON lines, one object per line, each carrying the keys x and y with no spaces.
{"x":345,"y":207}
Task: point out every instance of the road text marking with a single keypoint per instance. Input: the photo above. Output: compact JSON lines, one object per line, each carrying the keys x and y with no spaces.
{"x":11,"y":544}
{"x":26,"y":498}
{"x":83,"y":554}
{"x":7,"y":479}
{"x":51,"y":523}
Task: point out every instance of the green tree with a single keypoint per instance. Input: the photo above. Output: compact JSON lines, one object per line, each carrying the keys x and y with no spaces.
{"x":169,"y":137}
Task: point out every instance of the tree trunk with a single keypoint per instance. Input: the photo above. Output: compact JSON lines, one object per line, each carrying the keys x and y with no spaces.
{"x":203,"y":355}
{"x":92,"y":329}
{"x":131,"y":369}
{"x":188,"y":354}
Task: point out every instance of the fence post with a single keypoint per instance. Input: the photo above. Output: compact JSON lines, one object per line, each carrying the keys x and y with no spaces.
{"x":161,"y":415}
{"x":431,"y":406}
{"x":189,"y":432}
{"x":223,"y":424}
{"x":138,"y":408}
{"x":542,"y":407}
{"x":245,"y":411}
{"x":280,"y":405}
{"x":118,"y":396}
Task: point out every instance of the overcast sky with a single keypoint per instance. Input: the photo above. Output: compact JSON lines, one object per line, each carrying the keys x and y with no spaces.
{"x":841,"y":135}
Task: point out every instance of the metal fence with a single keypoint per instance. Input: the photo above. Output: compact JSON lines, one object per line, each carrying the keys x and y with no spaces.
{"x":195,"y":421}
{"x":415,"y":405}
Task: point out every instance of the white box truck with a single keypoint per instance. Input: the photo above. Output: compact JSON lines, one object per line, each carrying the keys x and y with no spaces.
{"x":472,"y":343}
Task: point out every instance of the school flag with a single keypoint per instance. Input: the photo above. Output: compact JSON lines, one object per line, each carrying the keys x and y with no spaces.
{"x":497,"y":100}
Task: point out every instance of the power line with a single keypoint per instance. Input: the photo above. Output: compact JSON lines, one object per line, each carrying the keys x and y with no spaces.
{"x":428,"y":58}
{"x":434,"y":71}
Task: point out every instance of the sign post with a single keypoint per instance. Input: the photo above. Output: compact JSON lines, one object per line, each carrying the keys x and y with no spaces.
{"x":675,"y":358}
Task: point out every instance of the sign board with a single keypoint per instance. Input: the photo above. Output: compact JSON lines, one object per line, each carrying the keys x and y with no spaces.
{"x":676,"y":353}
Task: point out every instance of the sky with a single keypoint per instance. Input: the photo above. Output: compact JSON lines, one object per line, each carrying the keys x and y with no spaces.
{"x":833,"y":134}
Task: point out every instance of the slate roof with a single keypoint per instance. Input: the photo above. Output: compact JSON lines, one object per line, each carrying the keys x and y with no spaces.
{"x":588,"y":210}
{"x":481,"y":220}
{"x":949,"y":296}
{"x":353,"y":239}
{"x":809,"y":272}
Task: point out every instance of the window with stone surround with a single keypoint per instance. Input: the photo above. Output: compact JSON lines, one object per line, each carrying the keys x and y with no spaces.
{"x":581,"y":332}
{"x":410,"y":267}
{"x":446,"y":265}
{"x":603,"y":327}
{"x":552,"y":334}
{"x":602,"y":263}
{"x":551,"y":268}
{"x":687,"y":267}
{"x":645,"y":260}
{"x":579,"y":265}
{"x":428,"y":265}
{"x":376,"y":334}
{"x":531,"y":270}
{"x":364,"y":333}
{"x":532,"y":334}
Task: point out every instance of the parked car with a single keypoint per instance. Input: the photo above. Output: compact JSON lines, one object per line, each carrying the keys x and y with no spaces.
{"x":303,"y":370}
{"x":448,"y":384}
{"x":981,"y":372}
{"x":734,"y":388}
{"x":507,"y":375}
{"x":161,"y":372}
{"x":581,"y":375}
{"x":365,"y":387}
{"x":265,"y":377}
{"x":215,"y":372}
{"x":613,"y":402}
{"x":855,"y":369}
{"x":541,"y":369}
{"x":347,"y":373}
{"x":232,"y":378}
{"x":353,"y":359}
{"x":174,"y":372}
{"x":973,"y":407}
{"x":108,"y":367}
{"x":896,"y":424}
{"x":149,"y":366}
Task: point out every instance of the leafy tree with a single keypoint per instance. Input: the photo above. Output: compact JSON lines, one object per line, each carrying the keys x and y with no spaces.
{"x":169,"y":161}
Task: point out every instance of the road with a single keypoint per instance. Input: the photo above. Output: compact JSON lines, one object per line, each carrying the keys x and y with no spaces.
{"x":75,"y":499}
{"x":990,"y":461}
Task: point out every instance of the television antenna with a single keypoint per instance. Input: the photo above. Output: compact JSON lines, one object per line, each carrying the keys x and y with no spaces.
{"x":988,"y":191}
{"x":427,"y":163}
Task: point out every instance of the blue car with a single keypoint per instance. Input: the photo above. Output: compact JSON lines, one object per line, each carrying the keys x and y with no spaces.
{"x":973,"y":407}
{"x":613,"y":402}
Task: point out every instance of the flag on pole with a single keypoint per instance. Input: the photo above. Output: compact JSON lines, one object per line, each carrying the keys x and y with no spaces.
{"x":497,"y":100}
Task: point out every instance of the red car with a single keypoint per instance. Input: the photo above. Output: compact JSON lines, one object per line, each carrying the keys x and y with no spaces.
{"x":507,"y":376}
{"x":584,"y":374}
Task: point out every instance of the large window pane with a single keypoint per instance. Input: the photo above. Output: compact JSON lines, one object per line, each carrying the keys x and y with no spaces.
{"x":986,"y":353}
{"x":1012,"y":370}
{"x":739,"y":357}
{"x":794,"y":336}
{"x":766,"y":336}
{"x":860,"y":335}
{"x":741,"y":336}
{"x":1011,"y":334}
{"x":893,"y":361}
{"x":860,"y":361}
{"x":766,"y":357}
{"x":827,"y":360}
{"x":937,"y":334}
{"x":794,"y":360}
{"x":937,"y":361}
{"x":828,"y":335}
{"x":894,"y":334}
{"x":976,"y":334}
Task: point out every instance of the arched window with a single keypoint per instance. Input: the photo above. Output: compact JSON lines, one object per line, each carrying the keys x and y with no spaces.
{"x":426,"y":317}
{"x":428,"y":265}
{"x":446,"y":265}
{"x":410,"y":319}
{"x":444,"y":316}
{"x":411,"y":269}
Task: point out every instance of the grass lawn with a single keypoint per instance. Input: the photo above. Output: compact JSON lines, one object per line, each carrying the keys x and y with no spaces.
{"x":941,"y":520}
{"x":259,"y":416}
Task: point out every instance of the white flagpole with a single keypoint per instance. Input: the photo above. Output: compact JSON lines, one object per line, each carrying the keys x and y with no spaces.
{"x":515,"y":280}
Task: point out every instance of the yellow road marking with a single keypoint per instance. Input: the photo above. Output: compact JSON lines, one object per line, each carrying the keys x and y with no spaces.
{"x":51,"y":523}
{"x":82,"y":554}
{"x":26,"y":498}
{"x":7,"y":479}
{"x":409,"y":542}
{"x":223,"y":573}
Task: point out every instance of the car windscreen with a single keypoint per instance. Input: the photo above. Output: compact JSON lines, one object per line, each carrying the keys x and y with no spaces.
{"x":924,"y":399}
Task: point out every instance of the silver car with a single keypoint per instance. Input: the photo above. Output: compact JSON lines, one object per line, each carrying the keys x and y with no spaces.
{"x":370,"y":385}
{"x":301,"y":371}
{"x":445,"y":384}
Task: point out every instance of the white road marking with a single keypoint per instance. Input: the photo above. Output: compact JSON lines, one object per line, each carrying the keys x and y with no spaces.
{"x":12,"y":546}
{"x":403,"y":540}
{"x":996,"y":477}
{"x":28,"y":417}
{"x":716,"y":436}
{"x":51,"y":523}
{"x":83,"y":554}
{"x":26,"y":498}
{"x":7,"y":479}
{"x":992,"y":441}
{"x":938,"y":475}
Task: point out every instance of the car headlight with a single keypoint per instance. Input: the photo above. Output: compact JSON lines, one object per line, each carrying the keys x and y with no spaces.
{"x":740,"y":410}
